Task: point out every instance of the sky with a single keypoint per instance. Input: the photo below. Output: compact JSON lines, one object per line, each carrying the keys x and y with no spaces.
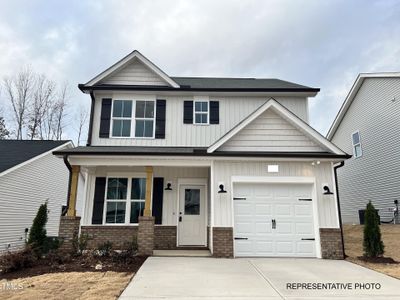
{"x":323,"y":44}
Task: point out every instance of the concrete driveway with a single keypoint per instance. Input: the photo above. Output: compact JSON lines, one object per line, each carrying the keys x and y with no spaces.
{"x":257,"y":278}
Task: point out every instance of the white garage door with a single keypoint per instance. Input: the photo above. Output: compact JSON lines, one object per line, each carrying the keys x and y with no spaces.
{"x":273,"y":220}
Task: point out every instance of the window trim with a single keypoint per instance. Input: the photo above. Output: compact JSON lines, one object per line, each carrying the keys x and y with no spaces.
{"x":358,"y":144}
{"x":128,"y":201}
{"x":203,"y":113}
{"x":133,"y":119}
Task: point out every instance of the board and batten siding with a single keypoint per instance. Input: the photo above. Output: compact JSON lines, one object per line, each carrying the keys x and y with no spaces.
{"x":23,"y":190}
{"x":170,"y":174}
{"x":135,"y":73}
{"x":224,"y":170}
{"x":232,"y":110}
{"x":375,"y":176}
{"x":270,"y":132}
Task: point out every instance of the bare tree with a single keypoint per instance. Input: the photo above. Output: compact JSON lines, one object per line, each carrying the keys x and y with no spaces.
{"x":18,"y":89}
{"x":4,"y":133}
{"x":60,"y":112}
{"x":43,"y":93}
{"x":82,"y":120}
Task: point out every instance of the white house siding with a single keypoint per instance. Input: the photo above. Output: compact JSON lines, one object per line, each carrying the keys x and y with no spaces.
{"x":23,"y":190}
{"x":270,"y":132}
{"x":224,"y":170}
{"x":170,"y":174}
{"x":135,"y":73}
{"x":232,"y":111}
{"x":375,"y":176}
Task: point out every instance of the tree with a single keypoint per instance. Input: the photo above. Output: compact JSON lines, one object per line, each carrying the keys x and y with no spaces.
{"x":38,"y":234}
{"x":82,"y":117}
{"x":4,"y":133}
{"x":373,"y":245}
{"x":19,"y":89}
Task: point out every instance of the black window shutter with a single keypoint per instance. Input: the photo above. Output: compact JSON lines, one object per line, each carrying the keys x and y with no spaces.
{"x":188,"y":112}
{"x":214,"y":112}
{"x":160,"y":119}
{"x":105,"y":118}
{"x":98,"y":203}
{"x":158,"y":191}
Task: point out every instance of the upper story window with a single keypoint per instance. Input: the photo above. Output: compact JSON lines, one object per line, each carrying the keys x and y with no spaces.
{"x":124,"y":125}
{"x":201,"y":112}
{"x":357,"y":151}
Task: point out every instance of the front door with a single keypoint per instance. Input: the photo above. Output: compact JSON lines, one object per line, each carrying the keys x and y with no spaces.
{"x":191,"y":218}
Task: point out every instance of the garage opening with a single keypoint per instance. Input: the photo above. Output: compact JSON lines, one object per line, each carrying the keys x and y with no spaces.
{"x":274,"y":219}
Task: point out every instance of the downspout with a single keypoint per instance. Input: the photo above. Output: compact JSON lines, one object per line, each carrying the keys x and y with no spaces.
{"x":341,"y":164}
{"x":66,"y":162}
{"x":89,"y":140}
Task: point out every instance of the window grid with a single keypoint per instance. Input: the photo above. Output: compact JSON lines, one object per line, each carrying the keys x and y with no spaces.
{"x":201,"y":112}
{"x":356,"y":142}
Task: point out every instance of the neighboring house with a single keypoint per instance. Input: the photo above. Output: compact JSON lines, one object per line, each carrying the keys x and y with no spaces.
{"x":29,"y":176}
{"x":226,"y":164}
{"x":367,"y":126}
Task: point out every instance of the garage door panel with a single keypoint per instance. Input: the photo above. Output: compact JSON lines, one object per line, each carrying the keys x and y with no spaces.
{"x":264,"y":202}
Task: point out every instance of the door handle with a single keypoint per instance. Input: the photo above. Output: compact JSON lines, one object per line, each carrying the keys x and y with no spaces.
{"x":180,"y":218}
{"x":273,"y":223}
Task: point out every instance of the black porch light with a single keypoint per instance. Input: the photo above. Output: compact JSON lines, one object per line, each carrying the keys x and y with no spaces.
{"x":221,"y":189}
{"x":168,"y":188}
{"x":327,"y":190}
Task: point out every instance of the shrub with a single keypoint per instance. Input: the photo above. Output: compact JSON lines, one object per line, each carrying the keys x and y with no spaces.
{"x":373,"y":245}
{"x":79,"y":244}
{"x":15,"y":261}
{"x":104,"y":249}
{"x":37,"y":235}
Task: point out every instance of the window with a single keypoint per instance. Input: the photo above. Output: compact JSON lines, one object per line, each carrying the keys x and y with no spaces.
{"x":121,"y":118}
{"x":144,"y":119}
{"x":201,"y":112}
{"x":357,"y":151}
{"x":117,"y":203}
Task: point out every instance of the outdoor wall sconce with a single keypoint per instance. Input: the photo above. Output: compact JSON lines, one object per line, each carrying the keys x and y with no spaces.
{"x":168,"y":188}
{"x":327,"y":191}
{"x":221,"y":189}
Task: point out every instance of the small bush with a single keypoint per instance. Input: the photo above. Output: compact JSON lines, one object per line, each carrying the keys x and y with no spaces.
{"x":373,"y":245}
{"x":37,"y":235}
{"x":18,"y":260}
{"x":79,"y":244}
{"x":104,"y":249}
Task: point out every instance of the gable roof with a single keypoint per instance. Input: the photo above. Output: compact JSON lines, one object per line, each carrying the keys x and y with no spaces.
{"x":126,"y":60}
{"x":285,"y":113}
{"x":351,"y":95}
{"x":17,"y":152}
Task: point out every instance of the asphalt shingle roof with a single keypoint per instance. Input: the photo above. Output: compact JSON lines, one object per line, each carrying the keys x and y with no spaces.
{"x":15,"y":152}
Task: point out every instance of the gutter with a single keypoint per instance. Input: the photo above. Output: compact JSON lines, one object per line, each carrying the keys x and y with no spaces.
{"x":341,"y":164}
{"x":89,"y":139}
{"x":66,"y":162}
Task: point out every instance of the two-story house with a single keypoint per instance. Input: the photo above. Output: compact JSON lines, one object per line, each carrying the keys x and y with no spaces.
{"x":225,"y":164}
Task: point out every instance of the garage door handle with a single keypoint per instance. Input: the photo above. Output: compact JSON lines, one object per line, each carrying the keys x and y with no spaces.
{"x":240,"y":238}
{"x":273,"y":223}
{"x":308,"y":239}
{"x":239,"y":198}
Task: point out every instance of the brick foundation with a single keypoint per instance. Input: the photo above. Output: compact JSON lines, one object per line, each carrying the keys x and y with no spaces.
{"x":69,"y":228}
{"x":145,"y":236}
{"x":164,"y":237}
{"x":222,"y":241}
{"x":119,"y":236}
{"x":331,"y":243}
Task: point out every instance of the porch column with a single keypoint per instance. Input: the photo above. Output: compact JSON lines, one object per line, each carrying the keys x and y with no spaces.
{"x":73,"y":191}
{"x":149,"y":188}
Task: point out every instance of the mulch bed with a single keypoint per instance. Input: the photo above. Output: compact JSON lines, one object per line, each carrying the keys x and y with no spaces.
{"x":83,"y":263}
{"x":378,"y":260}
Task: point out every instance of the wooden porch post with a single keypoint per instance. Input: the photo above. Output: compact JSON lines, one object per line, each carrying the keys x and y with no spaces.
{"x":149,"y":188}
{"x":73,"y":191}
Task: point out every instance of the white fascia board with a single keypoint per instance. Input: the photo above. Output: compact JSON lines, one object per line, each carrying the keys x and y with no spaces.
{"x":68,"y":144}
{"x":351,"y":95}
{"x":124,"y":61}
{"x":285,"y":113}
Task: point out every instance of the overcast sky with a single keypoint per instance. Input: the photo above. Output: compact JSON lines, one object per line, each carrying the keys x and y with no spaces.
{"x":321,"y":44}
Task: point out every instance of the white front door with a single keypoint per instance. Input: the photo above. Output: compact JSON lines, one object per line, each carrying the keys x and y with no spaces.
{"x":274,"y":219}
{"x":191,"y":216}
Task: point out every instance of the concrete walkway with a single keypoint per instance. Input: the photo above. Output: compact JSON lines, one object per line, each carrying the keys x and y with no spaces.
{"x":256,"y":278}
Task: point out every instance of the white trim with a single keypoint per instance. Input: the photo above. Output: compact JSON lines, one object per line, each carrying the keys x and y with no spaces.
{"x":66,"y":144}
{"x":351,"y":95}
{"x":203,"y":113}
{"x":127,"y":59}
{"x":289,"y":116}
{"x":358,"y":144}
{"x":283,"y":179}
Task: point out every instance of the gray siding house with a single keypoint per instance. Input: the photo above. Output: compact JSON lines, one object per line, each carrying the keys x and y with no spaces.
{"x":367,"y":126}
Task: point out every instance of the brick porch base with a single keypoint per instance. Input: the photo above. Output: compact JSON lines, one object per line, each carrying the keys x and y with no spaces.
{"x":331,"y":243}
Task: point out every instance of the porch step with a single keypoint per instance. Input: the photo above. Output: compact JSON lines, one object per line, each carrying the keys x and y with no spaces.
{"x":182,"y":253}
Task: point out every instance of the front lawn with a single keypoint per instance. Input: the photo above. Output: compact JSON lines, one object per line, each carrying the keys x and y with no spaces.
{"x":353,"y":241}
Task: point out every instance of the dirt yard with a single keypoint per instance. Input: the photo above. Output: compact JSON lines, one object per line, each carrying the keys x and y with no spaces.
{"x":353,"y":240}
